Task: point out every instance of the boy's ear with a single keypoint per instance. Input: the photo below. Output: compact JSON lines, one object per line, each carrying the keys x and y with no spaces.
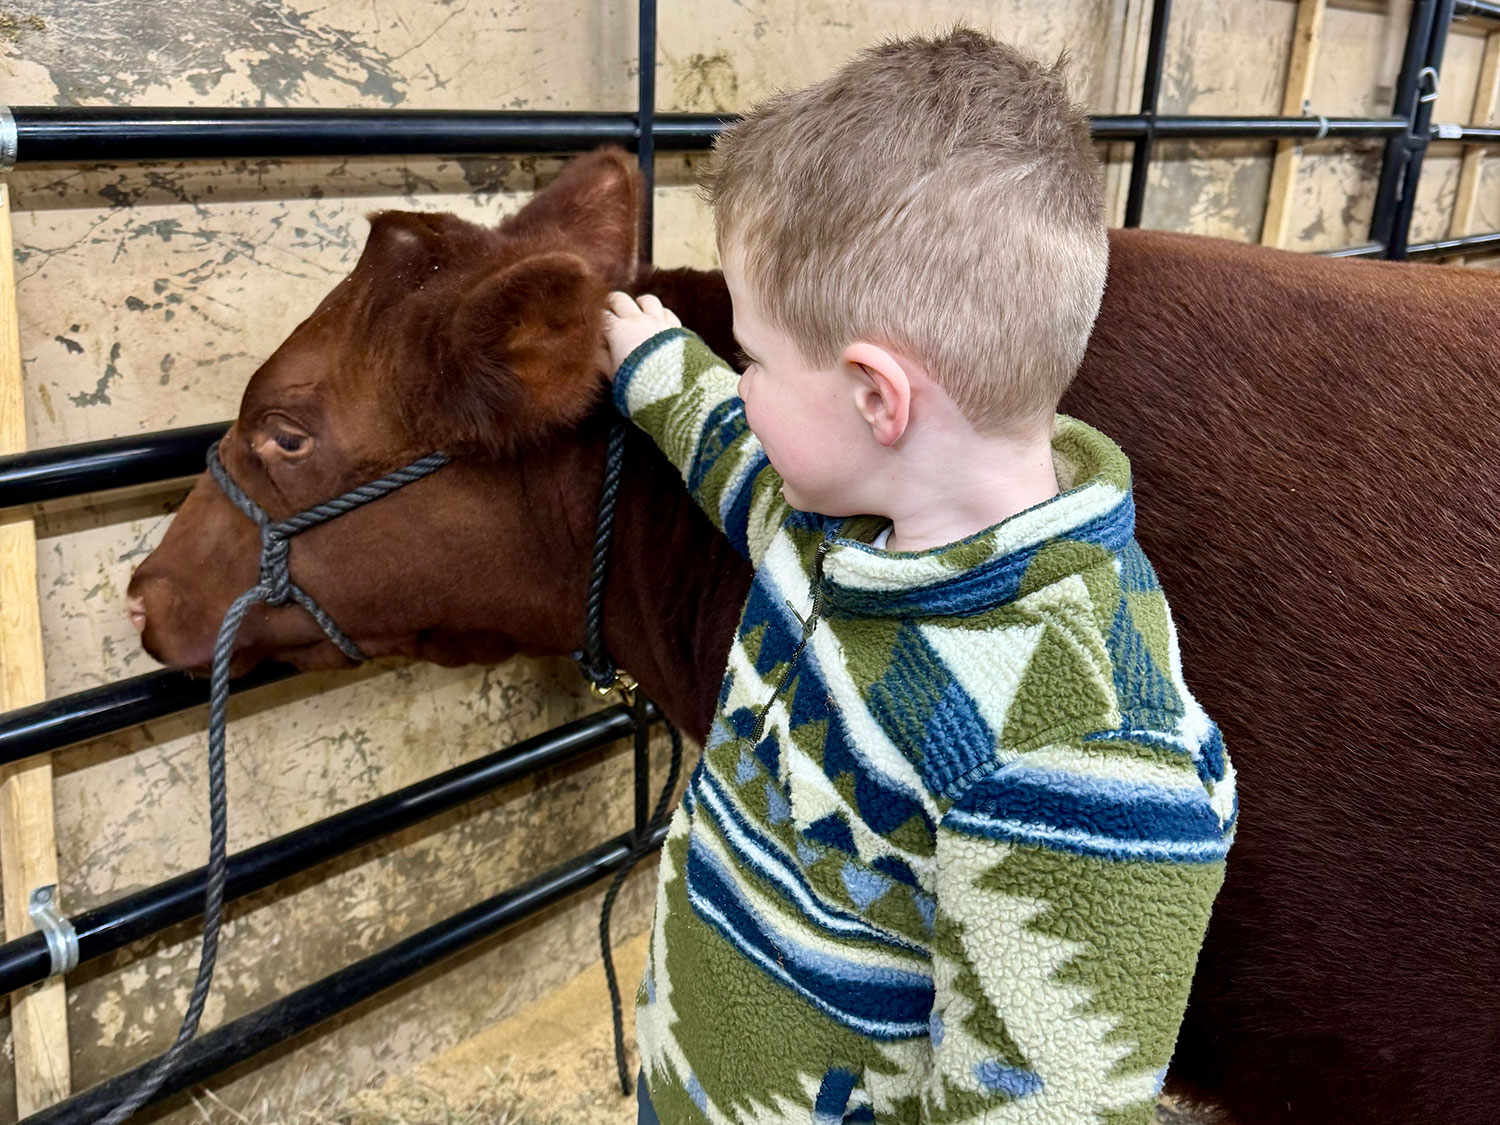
{"x":594,"y":208}
{"x":521,"y":359}
{"x":884,"y":397}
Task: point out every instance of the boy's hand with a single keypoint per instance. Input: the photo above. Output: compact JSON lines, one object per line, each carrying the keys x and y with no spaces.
{"x":629,"y":323}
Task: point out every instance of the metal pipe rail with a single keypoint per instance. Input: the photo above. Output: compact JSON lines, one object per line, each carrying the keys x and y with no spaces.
{"x":1112,"y":127}
{"x":278,"y":1021}
{"x":1140,"y":158}
{"x":69,"y":470}
{"x":90,"y":135}
{"x":95,"y":712}
{"x":104,"y":929}
{"x":1460,"y":244}
{"x":1485,"y":9}
{"x":1468,"y":134}
{"x":110,"y":134}
{"x":1446,"y":247}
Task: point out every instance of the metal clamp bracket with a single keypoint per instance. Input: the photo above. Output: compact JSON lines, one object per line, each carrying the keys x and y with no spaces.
{"x":1322,"y":120}
{"x":62,"y":938}
{"x":9,"y":140}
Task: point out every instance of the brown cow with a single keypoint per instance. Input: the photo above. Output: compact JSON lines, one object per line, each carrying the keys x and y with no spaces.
{"x":1315,"y":452}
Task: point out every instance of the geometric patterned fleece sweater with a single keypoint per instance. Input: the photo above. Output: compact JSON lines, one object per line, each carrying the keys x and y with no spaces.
{"x":950,"y":851}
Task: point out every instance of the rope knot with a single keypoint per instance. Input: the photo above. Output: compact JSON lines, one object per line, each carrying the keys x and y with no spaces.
{"x":275,"y":571}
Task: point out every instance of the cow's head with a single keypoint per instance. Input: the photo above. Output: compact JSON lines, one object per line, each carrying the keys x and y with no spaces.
{"x":482,"y":342}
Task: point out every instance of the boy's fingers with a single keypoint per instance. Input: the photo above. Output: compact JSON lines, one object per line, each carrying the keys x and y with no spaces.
{"x":621,"y":304}
{"x":650,"y":305}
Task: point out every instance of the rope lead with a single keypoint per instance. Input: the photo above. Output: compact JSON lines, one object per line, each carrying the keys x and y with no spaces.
{"x":275,"y":588}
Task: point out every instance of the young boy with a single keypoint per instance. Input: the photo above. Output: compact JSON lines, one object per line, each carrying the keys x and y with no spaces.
{"x":950,"y":851}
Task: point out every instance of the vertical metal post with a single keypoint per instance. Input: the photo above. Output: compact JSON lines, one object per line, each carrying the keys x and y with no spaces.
{"x":646,"y":123}
{"x":1140,"y":161}
{"x":1416,"y":90}
{"x":646,"y":152}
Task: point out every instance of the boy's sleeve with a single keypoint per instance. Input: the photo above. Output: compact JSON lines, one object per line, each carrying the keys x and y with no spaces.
{"x":687,"y":399}
{"x":1071,"y":906}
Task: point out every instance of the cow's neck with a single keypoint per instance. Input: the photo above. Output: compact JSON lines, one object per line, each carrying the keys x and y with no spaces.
{"x":675,"y":590}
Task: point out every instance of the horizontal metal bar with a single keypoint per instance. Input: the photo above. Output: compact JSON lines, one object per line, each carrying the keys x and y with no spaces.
{"x":49,"y":474}
{"x":106,"y":928}
{"x":1468,"y":134}
{"x":1363,"y":250}
{"x":1464,"y":244}
{"x":74,"y":134}
{"x":277,"y":1022}
{"x":1482,"y":8}
{"x":1125,"y":126}
{"x":48,"y":726}
{"x":91,"y":134}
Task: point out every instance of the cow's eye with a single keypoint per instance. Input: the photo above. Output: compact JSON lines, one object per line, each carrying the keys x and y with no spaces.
{"x":279,"y":441}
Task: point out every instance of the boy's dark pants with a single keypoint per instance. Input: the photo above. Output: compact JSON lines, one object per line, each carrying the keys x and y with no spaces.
{"x":645,"y":1114}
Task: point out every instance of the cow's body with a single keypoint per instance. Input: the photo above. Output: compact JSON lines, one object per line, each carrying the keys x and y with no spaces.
{"x":1314,"y":446}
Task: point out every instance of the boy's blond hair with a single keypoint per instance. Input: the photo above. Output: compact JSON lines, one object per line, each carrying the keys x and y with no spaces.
{"x":940,"y":196}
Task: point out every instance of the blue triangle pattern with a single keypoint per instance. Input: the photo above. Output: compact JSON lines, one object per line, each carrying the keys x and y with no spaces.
{"x":1136,"y":573}
{"x":768,"y":750}
{"x":763,"y":607}
{"x":864,"y":886}
{"x":958,"y":740}
{"x":879,"y":804}
{"x":778,"y":808}
{"x":1139,"y":683}
{"x":832,"y":830}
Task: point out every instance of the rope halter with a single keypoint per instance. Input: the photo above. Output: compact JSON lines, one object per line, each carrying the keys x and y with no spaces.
{"x":275,"y":588}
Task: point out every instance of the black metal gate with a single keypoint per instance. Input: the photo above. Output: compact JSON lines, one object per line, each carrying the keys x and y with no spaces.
{"x":47,"y":135}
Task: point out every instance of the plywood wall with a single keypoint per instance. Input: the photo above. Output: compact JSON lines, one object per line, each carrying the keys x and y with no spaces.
{"x":148,"y":294}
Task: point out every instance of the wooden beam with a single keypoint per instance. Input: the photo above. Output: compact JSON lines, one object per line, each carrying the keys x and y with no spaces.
{"x":28,"y":844}
{"x":1471,"y":173}
{"x":1306,"y":38}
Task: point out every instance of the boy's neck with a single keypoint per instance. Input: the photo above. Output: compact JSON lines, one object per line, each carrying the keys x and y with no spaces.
{"x":953,"y":485}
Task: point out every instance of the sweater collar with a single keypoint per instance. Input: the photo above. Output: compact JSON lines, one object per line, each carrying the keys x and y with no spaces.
{"x":986,"y":570}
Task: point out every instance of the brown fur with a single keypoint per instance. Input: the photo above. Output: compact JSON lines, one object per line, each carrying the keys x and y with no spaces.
{"x":1315,"y":452}
{"x":1314,"y":447}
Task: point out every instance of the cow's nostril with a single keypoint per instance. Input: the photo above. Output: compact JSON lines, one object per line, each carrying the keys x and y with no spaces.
{"x":135,"y":607}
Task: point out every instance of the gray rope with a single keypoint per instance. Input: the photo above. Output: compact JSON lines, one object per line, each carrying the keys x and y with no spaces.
{"x":218,"y":837}
{"x":275,"y":588}
{"x":594,"y":661}
{"x":597,"y":667}
{"x":638,"y":851}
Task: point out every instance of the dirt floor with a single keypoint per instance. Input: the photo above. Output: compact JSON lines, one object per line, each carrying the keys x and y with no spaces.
{"x":550,"y":1064}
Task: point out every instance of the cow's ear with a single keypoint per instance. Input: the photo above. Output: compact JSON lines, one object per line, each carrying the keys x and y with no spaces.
{"x":594,"y":208}
{"x":403,"y":244}
{"x":523,"y":357}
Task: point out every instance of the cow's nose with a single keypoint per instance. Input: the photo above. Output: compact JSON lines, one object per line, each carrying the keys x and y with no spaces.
{"x":135,"y":607}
